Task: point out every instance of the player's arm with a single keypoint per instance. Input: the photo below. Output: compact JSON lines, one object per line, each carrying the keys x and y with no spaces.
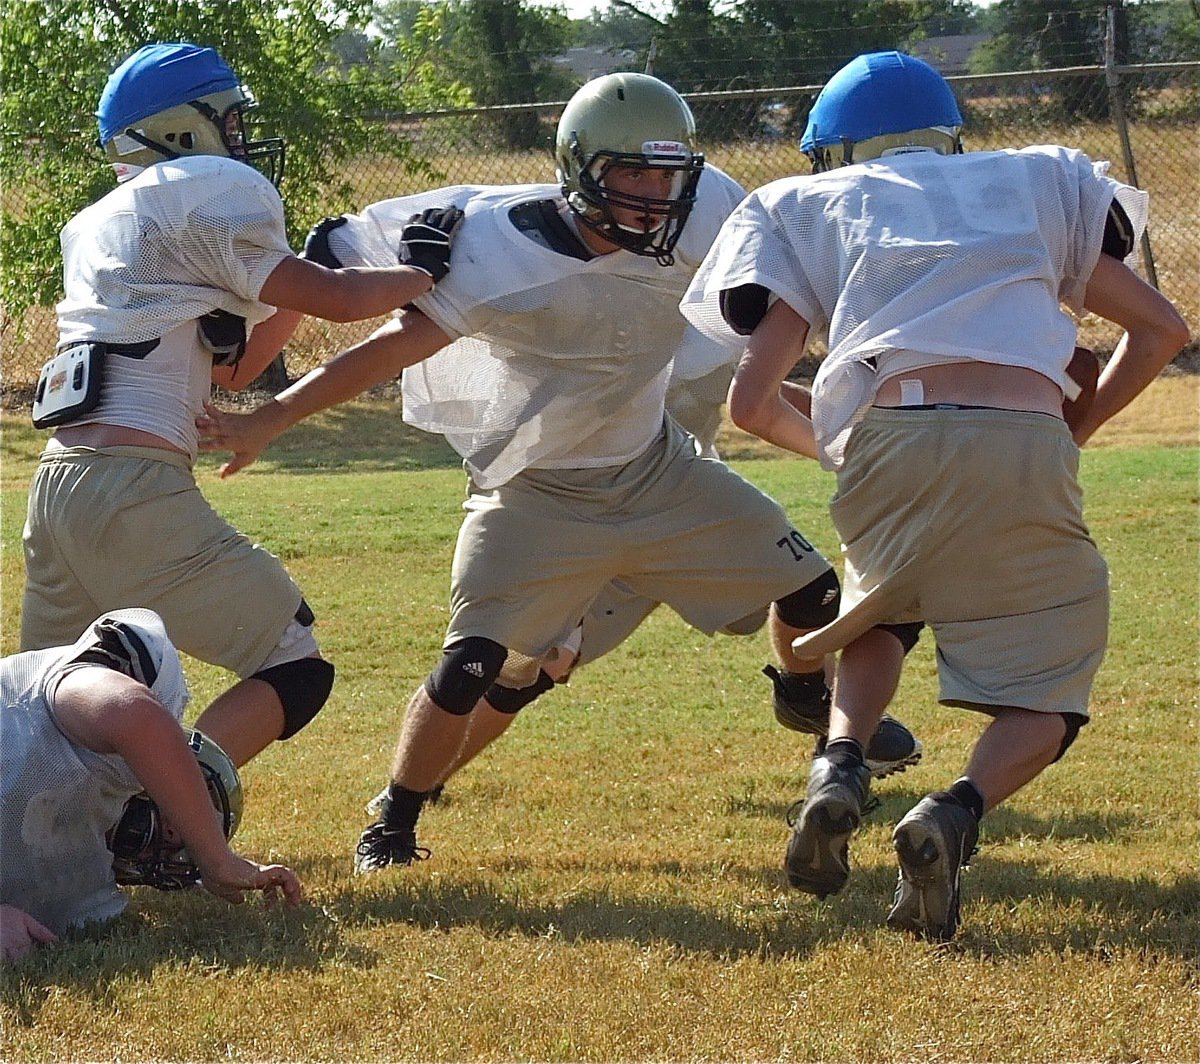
{"x":1154,"y":334}
{"x":351,"y":293}
{"x":761,"y":400}
{"x":266,"y":340}
{"x":111,"y":713}
{"x":402,"y":342}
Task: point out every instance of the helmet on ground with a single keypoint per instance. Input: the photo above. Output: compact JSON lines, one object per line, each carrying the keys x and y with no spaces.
{"x":628,"y":120}
{"x":175,"y":99}
{"x":143,"y":855}
{"x":882,"y":103}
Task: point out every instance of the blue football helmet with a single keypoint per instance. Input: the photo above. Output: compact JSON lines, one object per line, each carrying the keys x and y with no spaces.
{"x":176,"y":99}
{"x":879,"y":104}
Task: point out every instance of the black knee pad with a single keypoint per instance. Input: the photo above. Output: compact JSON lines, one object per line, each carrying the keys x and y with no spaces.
{"x":908,"y":634}
{"x":1073,"y":721}
{"x":814,"y":605}
{"x":303,"y":687}
{"x":467,"y":669}
{"x":514,"y":699}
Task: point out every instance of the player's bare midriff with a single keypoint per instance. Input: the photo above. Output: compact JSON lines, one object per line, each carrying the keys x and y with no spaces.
{"x":977,"y":384}
{"x":102,"y":435}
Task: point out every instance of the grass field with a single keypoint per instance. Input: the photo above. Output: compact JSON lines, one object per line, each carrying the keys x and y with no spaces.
{"x":606,"y":882}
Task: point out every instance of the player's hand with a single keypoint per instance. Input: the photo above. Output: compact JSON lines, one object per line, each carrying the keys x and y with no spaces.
{"x":235,"y":875}
{"x":20,"y":932}
{"x":1084,"y":371}
{"x":244,"y":435}
{"x":425,"y":241}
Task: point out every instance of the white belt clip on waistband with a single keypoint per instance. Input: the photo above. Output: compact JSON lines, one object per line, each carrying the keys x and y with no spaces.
{"x":912,"y":393}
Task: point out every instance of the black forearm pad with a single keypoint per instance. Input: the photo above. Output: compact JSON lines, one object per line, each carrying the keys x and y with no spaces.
{"x":303,"y":687}
{"x":814,"y":605}
{"x":514,"y":699}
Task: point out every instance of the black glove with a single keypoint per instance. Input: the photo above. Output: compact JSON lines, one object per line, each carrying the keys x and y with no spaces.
{"x":425,"y":240}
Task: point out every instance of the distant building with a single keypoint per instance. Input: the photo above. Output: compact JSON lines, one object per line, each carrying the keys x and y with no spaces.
{"x":949,"y":54}
{"x":588,"y":63}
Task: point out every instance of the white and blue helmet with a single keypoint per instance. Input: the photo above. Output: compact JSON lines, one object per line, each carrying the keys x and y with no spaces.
{"x":879,"y":104}
{"x":177,"y":98}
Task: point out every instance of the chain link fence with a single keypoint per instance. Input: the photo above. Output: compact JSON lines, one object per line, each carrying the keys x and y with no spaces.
{"x":1143,"y":119}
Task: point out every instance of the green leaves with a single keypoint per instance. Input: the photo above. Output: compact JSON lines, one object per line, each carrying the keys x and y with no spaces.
{"x":57,"y":54}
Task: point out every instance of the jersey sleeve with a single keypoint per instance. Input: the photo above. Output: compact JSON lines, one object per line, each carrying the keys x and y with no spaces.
{"x":1088,"y":194}
{"x":752,"y":250}
{"x":231,"y":235}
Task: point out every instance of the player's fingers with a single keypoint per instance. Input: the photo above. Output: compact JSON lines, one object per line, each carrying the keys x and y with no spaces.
{"x":39,"y":932}
{"x":283,"y":881}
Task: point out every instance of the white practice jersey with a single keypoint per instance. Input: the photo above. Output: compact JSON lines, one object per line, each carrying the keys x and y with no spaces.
{"x":160,"y":251}
{"x":556,"y":362}
{"x":58,"y":799}
{"x":937,"y":258}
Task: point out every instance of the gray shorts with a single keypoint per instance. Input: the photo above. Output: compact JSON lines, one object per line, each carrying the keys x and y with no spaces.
{"x":670,"y":526}
{"x":127,"y":526}
{"x":972,"y":521}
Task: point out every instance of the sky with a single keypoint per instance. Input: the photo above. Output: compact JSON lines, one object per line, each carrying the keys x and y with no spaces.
{"x":583,"y":8}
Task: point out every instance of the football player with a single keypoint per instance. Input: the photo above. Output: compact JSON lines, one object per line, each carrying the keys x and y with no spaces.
{"x":172,"y":281}
{"x":544,"y":359}
{"x":938,"y":278}
{"x":100,"y":786}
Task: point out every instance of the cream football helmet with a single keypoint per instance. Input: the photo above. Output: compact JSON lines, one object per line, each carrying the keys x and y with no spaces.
{"x":628,"y":120}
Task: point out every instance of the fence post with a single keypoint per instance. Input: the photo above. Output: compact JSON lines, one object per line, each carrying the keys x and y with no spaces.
{"x":1117,"y":103}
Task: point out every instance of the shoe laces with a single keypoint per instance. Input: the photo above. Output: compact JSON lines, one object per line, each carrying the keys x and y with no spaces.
{"x":377,"y":841}
{"x":793,"y":814}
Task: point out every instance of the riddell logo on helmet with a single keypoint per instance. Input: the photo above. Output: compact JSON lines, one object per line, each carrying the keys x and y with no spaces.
{"x":665,"y":147}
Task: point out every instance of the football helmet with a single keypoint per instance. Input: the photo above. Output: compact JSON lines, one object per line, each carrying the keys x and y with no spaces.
{"x":880,"y":104}
{"x":628,"y":120}
{"x":169,"y":100}
{"x":142,"y":853}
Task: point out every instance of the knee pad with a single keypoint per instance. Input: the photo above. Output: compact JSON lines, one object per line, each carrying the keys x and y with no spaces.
{"x":747,"y":625}
{"x":514,"y":699}
{"x":908,"y":634}
{"x":467,"y":669}
{"x":814,"y":605}
{"x":1073,"y":721}
{"x":303,"y":687}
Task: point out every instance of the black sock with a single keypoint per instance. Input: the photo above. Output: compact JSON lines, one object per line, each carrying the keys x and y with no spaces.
{"x":401,"y":808}
{"x":967,"y":795}
{"x":846,"y":752}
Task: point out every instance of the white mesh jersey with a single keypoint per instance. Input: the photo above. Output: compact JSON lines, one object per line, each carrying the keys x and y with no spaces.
{"x":556,"y":362}
{"x":57,"y":798}
{"x":177,"y":241}
{"x":940,"y":258}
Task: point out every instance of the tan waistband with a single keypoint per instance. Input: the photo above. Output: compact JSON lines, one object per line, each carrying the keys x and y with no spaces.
{"x":55,"y":451}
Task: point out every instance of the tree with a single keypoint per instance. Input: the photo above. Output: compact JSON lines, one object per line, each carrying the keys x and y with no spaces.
{"x":57,"y":54}
{"x":1044,"y":34}
{"x":502,"y":50}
